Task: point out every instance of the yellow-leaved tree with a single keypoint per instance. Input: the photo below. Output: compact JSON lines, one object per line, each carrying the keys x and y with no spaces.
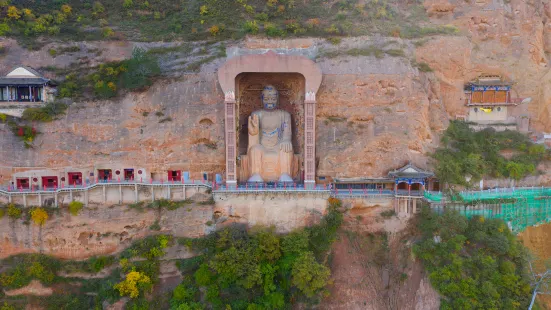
{"x":135,"y":283}
{"x":14,"y":12}
{"x":39,"y":216}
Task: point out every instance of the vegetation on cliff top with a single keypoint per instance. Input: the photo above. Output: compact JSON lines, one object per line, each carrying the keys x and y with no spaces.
{"x":465,"y":152}
{"x":106,"y":80}
{"x":237,"y":268}
{"x":473,"y":263}
{"x":164,"y":20}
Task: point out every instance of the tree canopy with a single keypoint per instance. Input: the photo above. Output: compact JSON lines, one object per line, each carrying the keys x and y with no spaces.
{"x":476,"y":154}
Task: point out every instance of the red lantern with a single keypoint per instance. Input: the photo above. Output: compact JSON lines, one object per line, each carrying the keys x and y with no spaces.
{"x":20,"y":131}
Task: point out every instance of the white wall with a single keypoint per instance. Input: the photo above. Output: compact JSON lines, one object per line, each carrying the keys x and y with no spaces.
{"x":495,"y":115}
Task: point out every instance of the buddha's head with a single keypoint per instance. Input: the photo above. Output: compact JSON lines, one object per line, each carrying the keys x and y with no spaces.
{"x":269,"y":97}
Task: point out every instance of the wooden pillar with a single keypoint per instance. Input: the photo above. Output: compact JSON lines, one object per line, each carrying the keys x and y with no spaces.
{"x":30,"y":94}
{"x":39,"y":199}
{"x":184,"y":191}
{"x":168,"y":192}
{"x":25,"y":200}
{"x":86,"y":198}
{"x":310,"y":140}
{"x":55,"y":199}
{"x":231,"y":145}
{"x":152,"y":193}
{"x":71,"y":195}
{"x":7,"y":93}
{"x":414,"y":208}
{"x":104,"y":195}
{"x":120,"y":194}
{"x":136,"y":192}
{"x":507,"y":97}
{"x":9,"y":198}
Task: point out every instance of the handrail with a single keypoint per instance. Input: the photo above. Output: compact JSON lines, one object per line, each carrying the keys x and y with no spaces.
{"x":64,"y":188}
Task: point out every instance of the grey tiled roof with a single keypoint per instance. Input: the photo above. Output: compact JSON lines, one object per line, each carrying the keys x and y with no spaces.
{"x":22,"y":81}
{"x":420,"y":173}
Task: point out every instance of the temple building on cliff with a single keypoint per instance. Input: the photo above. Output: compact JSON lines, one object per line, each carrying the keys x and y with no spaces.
{"x":25,"y":85}
{"x":490,"y":104}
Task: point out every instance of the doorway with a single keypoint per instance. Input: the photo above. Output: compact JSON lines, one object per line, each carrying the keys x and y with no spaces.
{"x":75,"y":178}
{"x":104,"y":175}
{"x":174,"y":175}
{"x":129,"y":174}
{"x":23,"y":183}
{"x":49,"y":182}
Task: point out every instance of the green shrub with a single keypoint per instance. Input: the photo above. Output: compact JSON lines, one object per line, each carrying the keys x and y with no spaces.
{"x":272,"y":30}
{"x":7,"y":306}
{"x":263,"y":17}
{"x":4,"y":29}
{"x":140,"y":70}
{"x":75,"y":207}
{"x":96,"y":264}
{"x":14,"y":212}
{"x":47,"y":113}
{"x":334,"y":40}
{"x":26,"y":267}
{"x":424,"y":67}
{"x":388,"y":213}
{"x":251,"y":27}
{"x":155,"y":226}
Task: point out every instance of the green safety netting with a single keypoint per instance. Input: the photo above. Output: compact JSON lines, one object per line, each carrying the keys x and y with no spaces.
{"x":519,"y":208}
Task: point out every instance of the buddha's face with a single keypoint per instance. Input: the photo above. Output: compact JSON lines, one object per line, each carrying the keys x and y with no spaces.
{"x":270,"y":97}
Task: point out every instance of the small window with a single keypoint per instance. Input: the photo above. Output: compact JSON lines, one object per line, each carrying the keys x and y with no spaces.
{"x":322,"y":178}
{"x":475,"y":110}
{"x":205,"y":176}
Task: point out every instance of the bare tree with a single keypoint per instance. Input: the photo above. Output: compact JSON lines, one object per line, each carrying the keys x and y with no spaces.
{"x":540,"y":281}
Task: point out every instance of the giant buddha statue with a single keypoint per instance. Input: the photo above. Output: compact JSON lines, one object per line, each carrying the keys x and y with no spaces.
{"x":270,"y":150}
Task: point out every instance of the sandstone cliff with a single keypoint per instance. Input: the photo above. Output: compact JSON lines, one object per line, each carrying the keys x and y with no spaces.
{"x":374,"y":113}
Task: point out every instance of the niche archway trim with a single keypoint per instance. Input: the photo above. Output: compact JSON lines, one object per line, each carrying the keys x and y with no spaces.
{"x":269,"y":62}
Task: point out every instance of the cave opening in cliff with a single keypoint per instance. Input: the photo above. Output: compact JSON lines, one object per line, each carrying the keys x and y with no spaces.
{"x":174,"y":175}
{"x":49,"y":182}
{"x":105,"y":175}
{"x":128,"y":174}
{"x":75,"y":178}
{"x":23,"y":183}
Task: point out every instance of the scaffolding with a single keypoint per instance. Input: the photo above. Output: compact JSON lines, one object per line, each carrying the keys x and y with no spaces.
{"x":519,"y":208}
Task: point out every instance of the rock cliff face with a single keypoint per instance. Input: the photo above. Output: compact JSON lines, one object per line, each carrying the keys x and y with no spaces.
{"x":99,"y":231}
{"x":374,"y":113}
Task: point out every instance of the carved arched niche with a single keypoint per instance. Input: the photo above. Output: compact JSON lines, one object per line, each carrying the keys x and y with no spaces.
{"x":249,"y":86}
{"x":296,"y":77}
